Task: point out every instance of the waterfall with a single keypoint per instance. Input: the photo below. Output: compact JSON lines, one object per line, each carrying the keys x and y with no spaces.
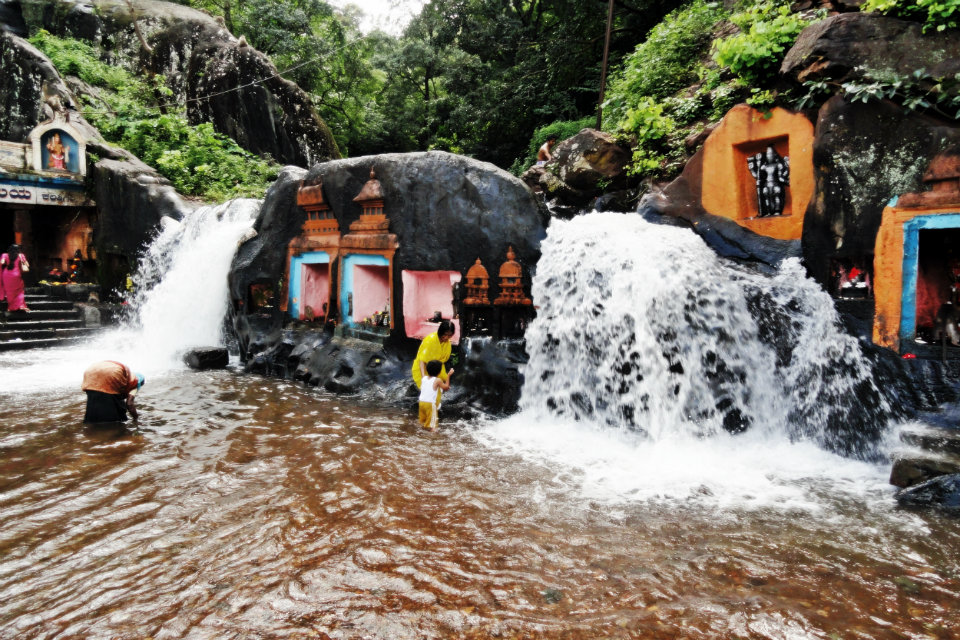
{"x":180,"y":289}
{"x":643,"y":328}
{"x":180,"y":301}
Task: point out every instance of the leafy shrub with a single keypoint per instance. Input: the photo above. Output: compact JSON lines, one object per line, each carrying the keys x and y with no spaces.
{"x":917,"y":91}
{"x":666,"y":61}
{"x":563,"y":129}
{"x":197,"y":160}
{"x":755,"y":55}
{"x":939,"y":15}
{"x":652,"y":129}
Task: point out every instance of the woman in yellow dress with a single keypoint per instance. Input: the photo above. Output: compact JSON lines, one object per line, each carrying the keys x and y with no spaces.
{"x":435,"y":346}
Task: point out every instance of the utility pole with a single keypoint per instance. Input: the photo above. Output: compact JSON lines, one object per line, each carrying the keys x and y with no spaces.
{"x":603,"y":74}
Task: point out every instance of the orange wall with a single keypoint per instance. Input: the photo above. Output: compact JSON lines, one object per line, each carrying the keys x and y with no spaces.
{"x":888,"y":271}
{"x":728,"y":188}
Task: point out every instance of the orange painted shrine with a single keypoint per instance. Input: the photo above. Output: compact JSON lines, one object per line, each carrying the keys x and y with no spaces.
{"x":366,"y":260}
{"x":728,"y":187}
{"x":511,"y":286}
{"x":914,"y":260}
{"x":320,"y":237}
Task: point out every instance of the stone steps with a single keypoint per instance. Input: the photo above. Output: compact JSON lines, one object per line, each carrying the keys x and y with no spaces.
{"x":51,"y":321}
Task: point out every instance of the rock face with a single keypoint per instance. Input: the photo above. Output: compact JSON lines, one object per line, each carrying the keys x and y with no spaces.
{"x":25,"y":71}
{"x":679,"y":203}
{"x":203,"y":64}
{"x":446,"y":211}
{"x":843,"y":46}
{"x":582,"y":168}
{"x":864,"y":155}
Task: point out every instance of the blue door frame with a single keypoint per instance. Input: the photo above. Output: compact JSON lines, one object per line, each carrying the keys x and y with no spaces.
{"x":296,"y":262}
{"x":910,"y":272}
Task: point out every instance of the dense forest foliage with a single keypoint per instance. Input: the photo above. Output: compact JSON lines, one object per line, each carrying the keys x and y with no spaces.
{"x":469,"y":76}
{"x":492,"y":78}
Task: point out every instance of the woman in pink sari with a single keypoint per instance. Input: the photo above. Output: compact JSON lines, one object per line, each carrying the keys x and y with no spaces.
{"x":12,"y":265}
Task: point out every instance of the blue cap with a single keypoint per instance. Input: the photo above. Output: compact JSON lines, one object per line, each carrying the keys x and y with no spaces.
{"x":140,"y":380}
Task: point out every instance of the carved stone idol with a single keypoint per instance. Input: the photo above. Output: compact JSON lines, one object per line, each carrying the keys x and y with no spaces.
{"x":772,"y":173}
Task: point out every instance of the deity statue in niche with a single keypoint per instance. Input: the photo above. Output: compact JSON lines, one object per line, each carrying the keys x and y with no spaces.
{"x":772,"y":173}
{"x":58,"y":153}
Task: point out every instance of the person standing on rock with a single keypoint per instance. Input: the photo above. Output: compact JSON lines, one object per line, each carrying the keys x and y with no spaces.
{"x":544,"y":154}
{"x":435,"y":346}
{"x":13,"y":264}
{"x":110,"y":387}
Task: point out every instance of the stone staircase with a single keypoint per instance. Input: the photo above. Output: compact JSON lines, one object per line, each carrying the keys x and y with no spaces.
{"x":51,"y":321}
{"x":928,"y":450}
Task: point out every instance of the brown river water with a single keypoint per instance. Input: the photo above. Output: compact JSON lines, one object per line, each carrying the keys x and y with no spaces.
{"x":245,"y":507}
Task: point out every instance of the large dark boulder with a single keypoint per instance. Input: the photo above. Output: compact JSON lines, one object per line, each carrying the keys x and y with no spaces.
{"x":582,"y":168}
{"x":864,"y":155}
{"x":844,"y":46}
{"x":446,"y":211}
{"x":203,"y":64}
{"x":25,"y":72}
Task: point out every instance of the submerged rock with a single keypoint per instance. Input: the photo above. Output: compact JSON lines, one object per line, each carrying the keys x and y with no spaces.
{"x":941,"y":492}
{"x":207,"y":358}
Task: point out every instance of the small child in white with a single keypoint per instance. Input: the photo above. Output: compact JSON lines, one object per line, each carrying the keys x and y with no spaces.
{"x":431,"y":387}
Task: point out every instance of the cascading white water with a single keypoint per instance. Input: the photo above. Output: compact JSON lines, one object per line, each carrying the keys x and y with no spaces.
{"x":642,"y":326}
{"x":649,"y":351}
{"x":180,"y":301}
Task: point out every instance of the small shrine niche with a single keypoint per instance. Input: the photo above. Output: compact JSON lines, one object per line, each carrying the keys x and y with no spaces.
{"x":852,"y":278}
{"x":477,"y":312}
{"x":58,"y":148}
{"x":366,"y":266}
{"x":428,"y":299}
{"x":514,"y":306}
{"x":310,"y":257}
{"x":758,"y":170}
{"x":917,"y":260}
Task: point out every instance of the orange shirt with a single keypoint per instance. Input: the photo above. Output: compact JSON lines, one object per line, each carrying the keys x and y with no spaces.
{"x":109,"y":377}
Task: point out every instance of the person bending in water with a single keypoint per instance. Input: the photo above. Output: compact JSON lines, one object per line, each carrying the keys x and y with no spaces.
{"x":110,"y":388}
{"x":432,"y":387}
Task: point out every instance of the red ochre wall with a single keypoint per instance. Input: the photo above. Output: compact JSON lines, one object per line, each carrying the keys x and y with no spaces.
{"x":728,"y":188}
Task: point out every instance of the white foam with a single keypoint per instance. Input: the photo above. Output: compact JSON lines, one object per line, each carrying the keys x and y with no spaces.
{"x":180,"y":302}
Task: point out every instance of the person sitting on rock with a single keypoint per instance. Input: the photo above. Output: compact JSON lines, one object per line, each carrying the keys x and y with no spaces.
{"x":110,"y":387}
{"x":432,"y":387}
{"x":544,"y":154}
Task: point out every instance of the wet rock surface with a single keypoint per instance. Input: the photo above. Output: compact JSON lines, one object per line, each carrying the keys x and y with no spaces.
{"x":207,"y":358}
{"x":941,"y":492}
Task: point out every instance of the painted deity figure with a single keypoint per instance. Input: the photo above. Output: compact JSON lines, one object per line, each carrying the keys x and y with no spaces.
{"x":772,"y":173}
{"x":58,"y":153}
